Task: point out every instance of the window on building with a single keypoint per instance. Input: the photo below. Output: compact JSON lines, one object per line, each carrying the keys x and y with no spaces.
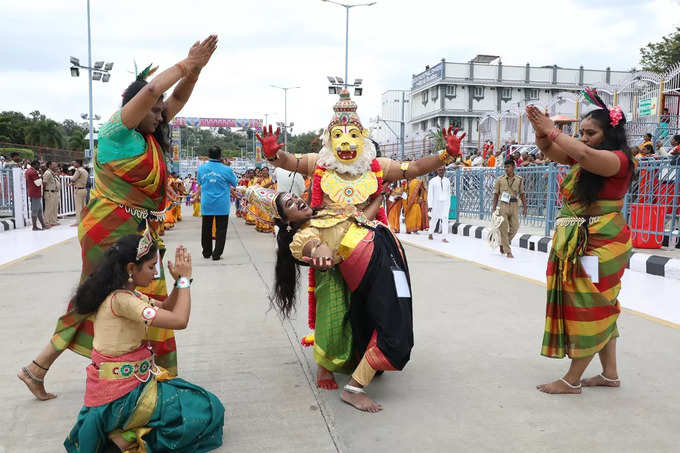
{"x":425,"y":97}
{"x":506,"y":94}
{"x":434,"y":93}
{"x":451,"y":91}
{"x":532,"y":94}
{"x":478,"y":92}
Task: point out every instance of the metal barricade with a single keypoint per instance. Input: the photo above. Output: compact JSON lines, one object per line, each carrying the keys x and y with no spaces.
{"x":6,"y":193}
{"x":67,"y":204}
{"x":651,"y":206}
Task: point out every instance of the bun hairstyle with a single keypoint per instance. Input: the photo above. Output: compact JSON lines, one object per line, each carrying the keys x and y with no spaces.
{"x":111,"y":273}
{"x":162,"y":132}
{"x":612,"y":122}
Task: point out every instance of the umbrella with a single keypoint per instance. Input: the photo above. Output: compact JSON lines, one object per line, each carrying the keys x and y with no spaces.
{"x":562,"y":119}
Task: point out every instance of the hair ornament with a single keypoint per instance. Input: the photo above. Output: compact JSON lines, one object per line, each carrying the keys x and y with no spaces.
{"x":591,"y":96}
{"x":615,"y":115}
{"x":148,"y":71}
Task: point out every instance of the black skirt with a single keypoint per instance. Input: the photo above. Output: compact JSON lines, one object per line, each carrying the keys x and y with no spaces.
{"x":376,"y":307}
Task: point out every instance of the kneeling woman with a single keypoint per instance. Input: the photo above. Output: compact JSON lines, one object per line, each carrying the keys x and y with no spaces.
{"x":371,"y":261}
{"x":129,"y":400}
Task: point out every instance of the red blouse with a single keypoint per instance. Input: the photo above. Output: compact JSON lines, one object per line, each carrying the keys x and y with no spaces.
{"x":615,"y":187}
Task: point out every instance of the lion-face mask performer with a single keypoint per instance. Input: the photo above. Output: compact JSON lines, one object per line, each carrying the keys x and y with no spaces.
{"x":346,"y":177}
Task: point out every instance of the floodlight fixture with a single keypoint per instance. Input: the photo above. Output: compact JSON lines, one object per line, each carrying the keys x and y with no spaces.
{"x":75,"y":61}
{"x":75,"y":72}
{"x":97,"y":117}
{"x":340,"y":80}
{"x":358,"y":82}
{"x":331,"y":79}
{"x":358,"y":91}
{"x":291,"y":124}
{"x":98,"y":64}
{"x":332,"y":90}
{"x":106,"y":77}
{"x":108,"y":66}
{"x":83,"y":116}
{"x":96,"y":75}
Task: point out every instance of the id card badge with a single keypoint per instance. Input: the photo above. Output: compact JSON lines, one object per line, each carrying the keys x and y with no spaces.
{"x":505,"y":197}
{"x":591,"y":267}
{"x":401,"y":283}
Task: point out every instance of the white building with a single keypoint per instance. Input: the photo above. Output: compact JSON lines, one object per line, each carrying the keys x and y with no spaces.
{"x":386,"y":128}
{"x":462,"y":94}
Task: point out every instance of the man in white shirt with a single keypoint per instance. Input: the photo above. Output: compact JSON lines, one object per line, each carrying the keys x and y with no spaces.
{"x":439,"y":202}
{"x":289,"y":181}
{"x":477,"y":161}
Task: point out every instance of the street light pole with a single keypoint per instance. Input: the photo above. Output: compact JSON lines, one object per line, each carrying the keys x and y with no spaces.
{"x":89,"y":79}
{"x":347,"y":8}
{"x":402,"y":131}
{"x":285,"y":114}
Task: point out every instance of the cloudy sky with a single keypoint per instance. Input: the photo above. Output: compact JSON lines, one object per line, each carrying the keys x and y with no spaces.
{"x":299,"y":42}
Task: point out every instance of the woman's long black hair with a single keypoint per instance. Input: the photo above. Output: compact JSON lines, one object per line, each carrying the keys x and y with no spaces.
{"x":111,"y":273}
{"x":588,"y":185}
{"x":286,"y":270}
{"x":162,"y":132}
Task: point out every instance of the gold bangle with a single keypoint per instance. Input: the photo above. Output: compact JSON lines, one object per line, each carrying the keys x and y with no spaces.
{"x":404,"y":166}
{"x":446,"y":158}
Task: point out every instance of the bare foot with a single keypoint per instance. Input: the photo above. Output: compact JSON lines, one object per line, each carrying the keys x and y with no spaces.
{"x":445,"y":240}
{"x":600,"y":381}
{"x":360,"y":401}
{"x":558,"y":387}
{"x":430,"y":237}
{"x":510,"y":255}
{"x":325,"y":379}
{"x":33,"y":380}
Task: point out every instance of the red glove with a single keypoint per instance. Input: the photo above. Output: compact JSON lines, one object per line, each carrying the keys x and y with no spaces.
{"x":269,"y":142}
{"x":453,"y":140}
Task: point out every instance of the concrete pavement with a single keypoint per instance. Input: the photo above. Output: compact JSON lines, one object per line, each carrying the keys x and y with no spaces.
{"x":470,"y":385}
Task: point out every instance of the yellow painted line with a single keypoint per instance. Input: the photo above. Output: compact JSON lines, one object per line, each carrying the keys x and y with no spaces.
{"x":18,"y":260}
{"x":663,"y":322}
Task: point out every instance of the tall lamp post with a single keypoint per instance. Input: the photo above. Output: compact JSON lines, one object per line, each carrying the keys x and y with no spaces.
{"x":100,"y":71}
{"x":347,"y":7}
{"x":285,"y":114}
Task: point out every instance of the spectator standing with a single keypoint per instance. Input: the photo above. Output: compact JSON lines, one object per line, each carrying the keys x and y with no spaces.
{"x":439,"y":203}
{"x":52,"y":193}
{"x":34,"y":189}
{"x":79,"y":183}
{"x":214,"y":182}
{"x":508,"y":189}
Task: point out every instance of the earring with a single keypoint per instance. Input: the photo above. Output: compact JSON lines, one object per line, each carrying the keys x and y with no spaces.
{"x":130,"y":278}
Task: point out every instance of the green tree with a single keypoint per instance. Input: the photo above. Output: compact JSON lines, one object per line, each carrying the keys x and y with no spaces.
{"x":307,"y":142}
{"x":76,"y":140}
{"x":661,"y":56}
{"x":13,"y":127}
{"x":44,"y":132}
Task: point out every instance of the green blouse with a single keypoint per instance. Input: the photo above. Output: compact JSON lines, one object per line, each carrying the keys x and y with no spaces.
{"x":118,"y":142}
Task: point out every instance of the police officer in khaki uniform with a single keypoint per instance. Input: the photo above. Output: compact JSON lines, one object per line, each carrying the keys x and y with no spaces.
{"x":51,"y":193}
{"x":509,"y":188}
{"x":79,"y":181}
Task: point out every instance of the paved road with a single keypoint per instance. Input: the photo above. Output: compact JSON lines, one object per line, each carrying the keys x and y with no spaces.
{"x":469,"y":386}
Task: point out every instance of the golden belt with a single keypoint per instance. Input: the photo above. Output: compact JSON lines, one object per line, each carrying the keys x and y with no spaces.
{"x":124,"y":370}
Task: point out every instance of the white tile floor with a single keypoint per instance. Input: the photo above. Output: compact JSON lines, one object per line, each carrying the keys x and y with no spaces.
{"x":649,"y":294}
{"x":15,"y":244}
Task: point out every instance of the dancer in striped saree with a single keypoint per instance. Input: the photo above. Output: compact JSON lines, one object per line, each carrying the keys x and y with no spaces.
{"x":131,"y":185}
{"x":591,"y":244}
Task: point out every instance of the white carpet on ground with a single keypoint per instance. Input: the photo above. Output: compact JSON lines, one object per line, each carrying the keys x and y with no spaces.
{"x":645,"y":293}
{"x":15,"y":244}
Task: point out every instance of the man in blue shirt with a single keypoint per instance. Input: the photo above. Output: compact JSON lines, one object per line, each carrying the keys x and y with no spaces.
{"x":214,"y":180}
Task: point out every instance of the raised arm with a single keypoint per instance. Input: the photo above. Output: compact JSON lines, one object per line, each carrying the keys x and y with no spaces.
{"x":303,"y":164}
{"x":175,"y":312}
{"x":564,"y":148}
{"x":139,"y":106}
{"x":393,"y":170}
{"x":201,"y":53}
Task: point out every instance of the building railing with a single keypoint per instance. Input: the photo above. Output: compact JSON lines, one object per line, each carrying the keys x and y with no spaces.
{"x":651,"y":206}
